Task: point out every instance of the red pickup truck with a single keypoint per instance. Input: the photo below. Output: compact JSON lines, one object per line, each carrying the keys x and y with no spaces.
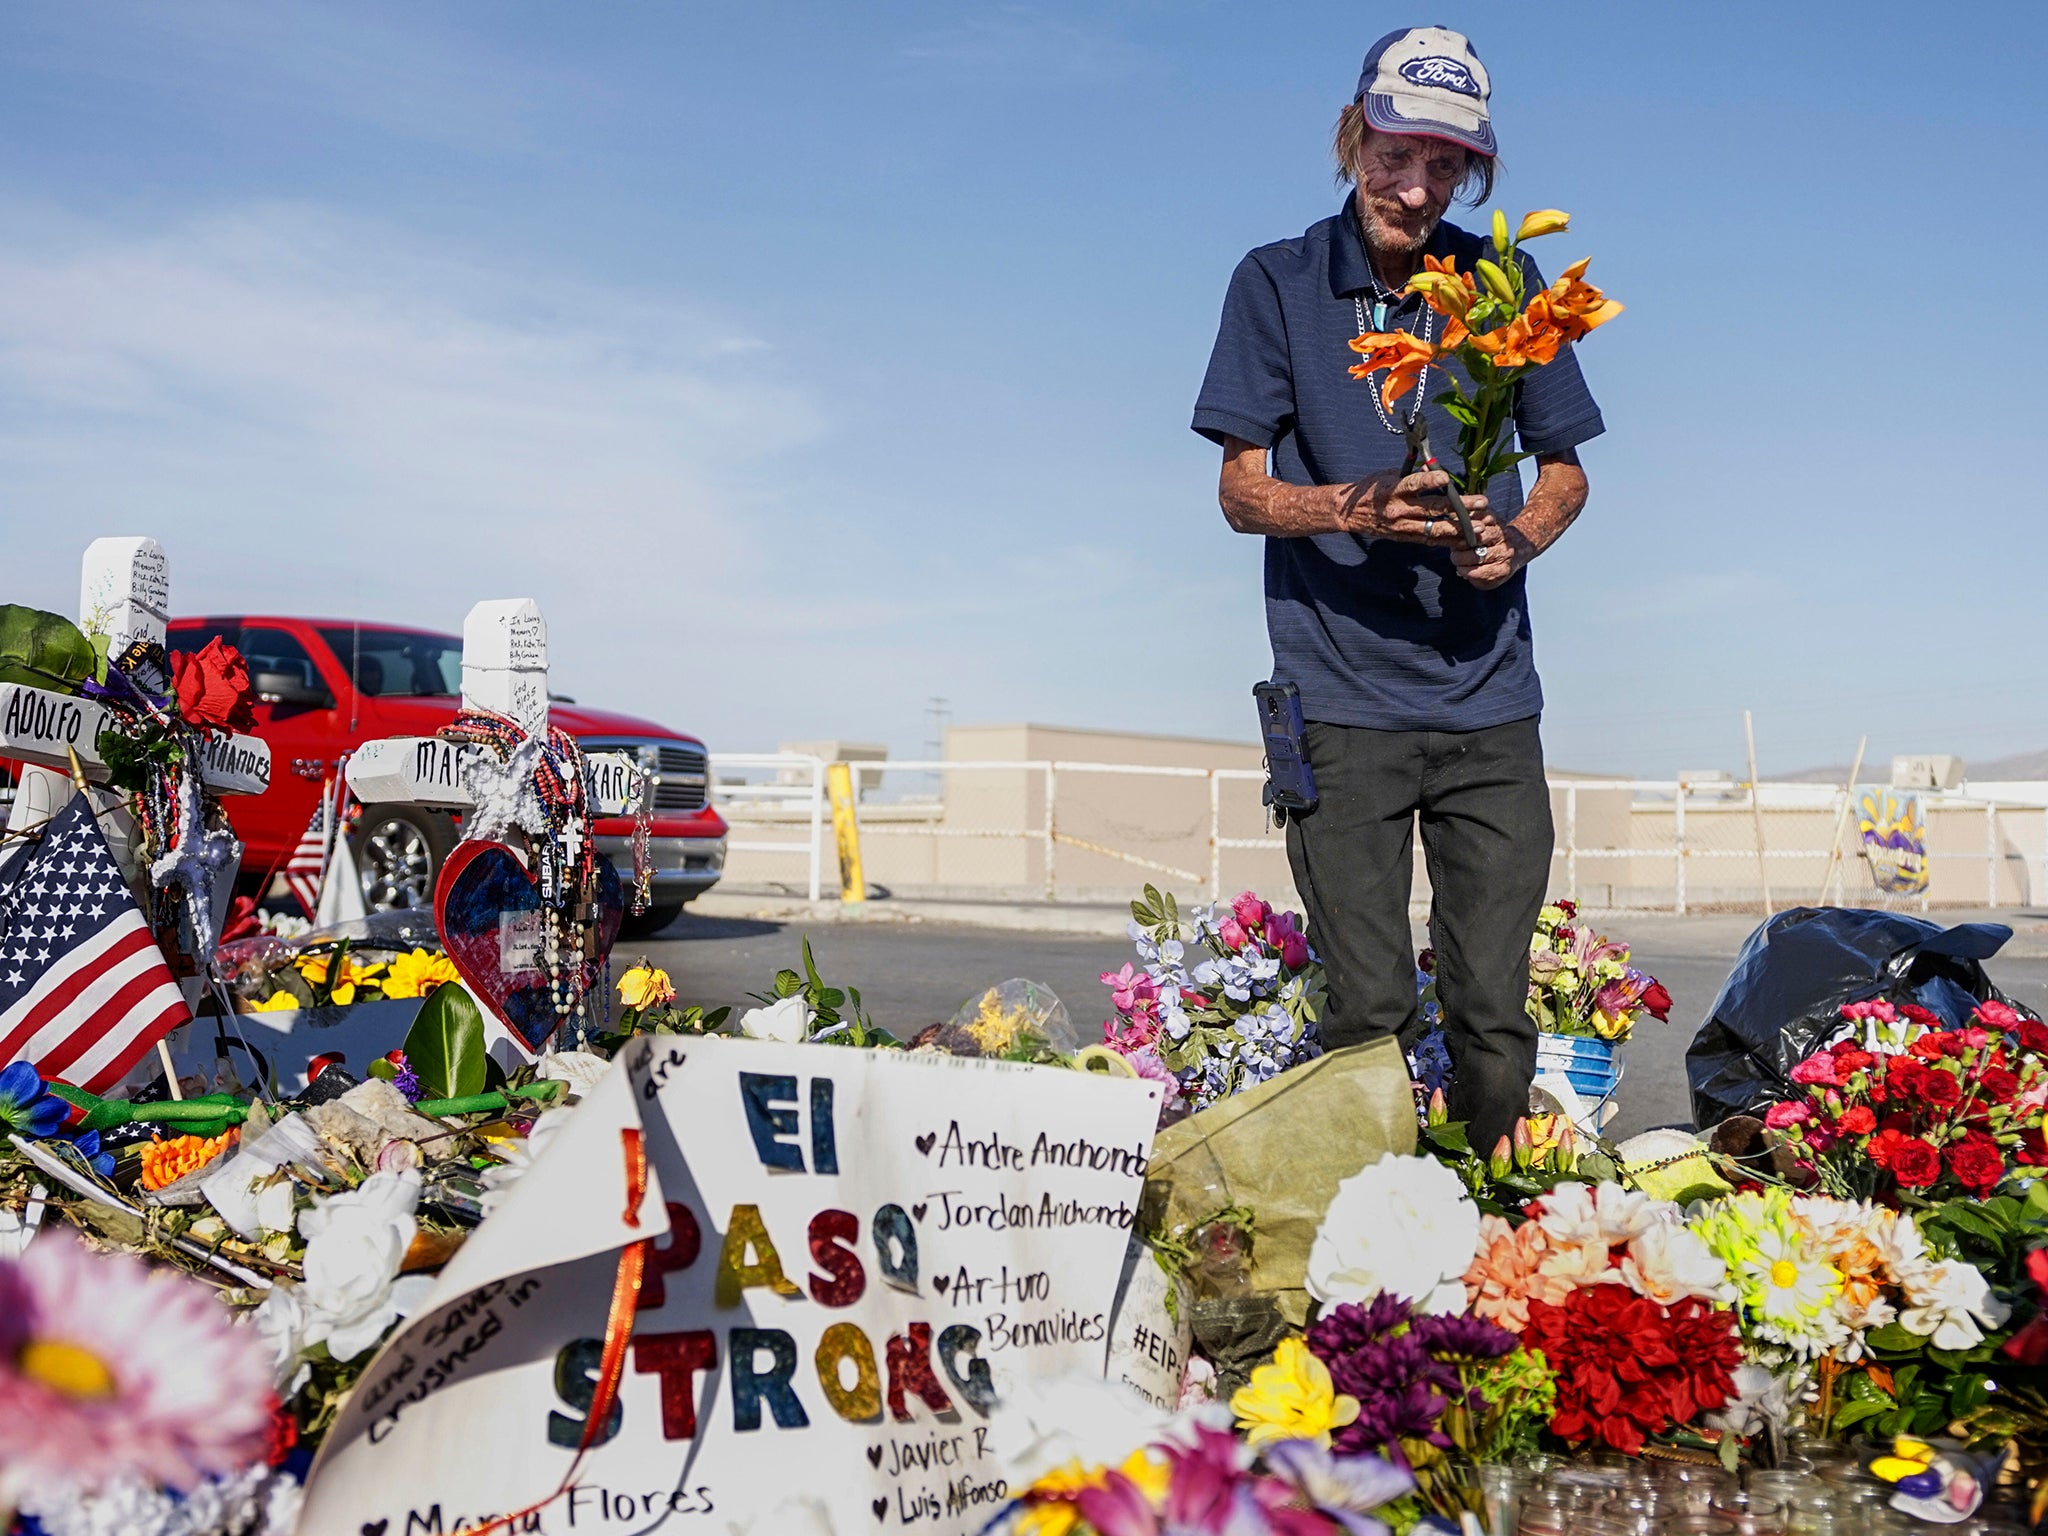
{"x":325,"y":686}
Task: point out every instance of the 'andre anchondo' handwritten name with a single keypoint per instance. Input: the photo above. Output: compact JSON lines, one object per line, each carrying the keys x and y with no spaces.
{"x":957,"y":1149}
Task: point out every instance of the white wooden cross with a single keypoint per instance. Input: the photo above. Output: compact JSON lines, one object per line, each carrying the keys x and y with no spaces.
{"x":504,"y":670}
{"x":124,"y":594}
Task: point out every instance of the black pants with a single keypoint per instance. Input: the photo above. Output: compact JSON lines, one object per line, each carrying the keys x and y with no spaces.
{"x":1486,"y":840}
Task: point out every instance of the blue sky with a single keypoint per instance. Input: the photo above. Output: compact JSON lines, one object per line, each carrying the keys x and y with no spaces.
{"x":806,"y":361}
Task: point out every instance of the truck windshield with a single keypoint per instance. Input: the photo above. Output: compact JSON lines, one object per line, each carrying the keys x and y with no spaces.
{"x":397,"y":663}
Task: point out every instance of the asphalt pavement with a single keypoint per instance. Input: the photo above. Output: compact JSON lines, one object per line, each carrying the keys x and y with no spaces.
{"x":913,"y":974}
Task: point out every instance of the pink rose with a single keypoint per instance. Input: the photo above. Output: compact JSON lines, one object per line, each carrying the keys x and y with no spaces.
{"x":1817,"y":1068}
{"x":1231,"y":932}
{"x":1782,"y":1116}
{"x":1249,"y":909}
{"x":1999,"y":1016}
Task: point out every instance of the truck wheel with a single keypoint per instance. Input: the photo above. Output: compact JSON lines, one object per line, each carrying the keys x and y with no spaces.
{"x":399,"y":849}
{"x":657,"y":917}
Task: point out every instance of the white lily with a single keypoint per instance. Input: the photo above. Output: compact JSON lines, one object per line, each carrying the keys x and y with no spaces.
{"x":355,"y":1243}
{"x":1947,"y":1302}
{"x":788,"y":1021}
{"x":1404,"y":1225}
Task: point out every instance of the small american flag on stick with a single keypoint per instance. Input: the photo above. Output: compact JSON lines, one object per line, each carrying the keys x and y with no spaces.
{"x":84,"y":990}
{"x":306,"y":867}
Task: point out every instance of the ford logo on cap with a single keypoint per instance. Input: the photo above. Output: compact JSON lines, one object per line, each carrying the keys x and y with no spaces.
{"x":1443,"y":73}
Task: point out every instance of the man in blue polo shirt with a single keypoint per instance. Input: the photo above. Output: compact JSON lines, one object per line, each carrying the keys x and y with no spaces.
{"x":1412,"y":653}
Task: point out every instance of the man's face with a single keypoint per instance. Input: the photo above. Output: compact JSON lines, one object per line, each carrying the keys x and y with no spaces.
{"x":1404,"y":187}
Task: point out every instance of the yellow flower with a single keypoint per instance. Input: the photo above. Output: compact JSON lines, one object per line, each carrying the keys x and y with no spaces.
{"x":1049,"y":1503}
{"x":353,"y":974}
{"x":1291,"y":1397}
{"x":277,"y":1002}
{"x":417,"y":974}
{"x":1544,"y":221}
{"x":644,"y":986}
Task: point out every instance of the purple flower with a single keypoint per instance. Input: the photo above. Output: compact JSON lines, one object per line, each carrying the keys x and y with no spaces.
{"x":1346,"y":1488}
{"x":1463,"y":1338}
{"x":1348,"y":1326}
{"x":1410,"y":1412}
{"x":407,"y":1081}
{"x":1377,"y":1354}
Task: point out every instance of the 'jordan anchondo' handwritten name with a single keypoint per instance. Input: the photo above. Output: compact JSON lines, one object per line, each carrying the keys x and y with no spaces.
{"x":1003,"y":1215}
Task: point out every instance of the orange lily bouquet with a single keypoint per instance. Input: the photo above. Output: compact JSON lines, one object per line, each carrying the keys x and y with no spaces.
{"x":1496,"y":331}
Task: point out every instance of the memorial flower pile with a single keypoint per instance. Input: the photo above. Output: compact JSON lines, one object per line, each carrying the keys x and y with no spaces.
{"x":1950,"y":1113}
{"x":1581,"y":983}
{"x":1495,"y":330}
{"x":1222,"y":1004}
{"x":1207,"y":1480}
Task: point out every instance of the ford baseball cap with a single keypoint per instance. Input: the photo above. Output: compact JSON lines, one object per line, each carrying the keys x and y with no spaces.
{"x":1428,"y":81}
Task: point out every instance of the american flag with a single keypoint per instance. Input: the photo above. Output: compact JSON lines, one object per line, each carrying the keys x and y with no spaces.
{"x":302,"y":871}
{"x":84,"y":990}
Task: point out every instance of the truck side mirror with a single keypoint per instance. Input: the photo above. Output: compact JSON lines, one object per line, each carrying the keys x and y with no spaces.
{"x":291,"y":688}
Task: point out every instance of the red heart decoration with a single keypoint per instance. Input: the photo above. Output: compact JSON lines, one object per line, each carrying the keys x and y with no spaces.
{"x":488,"y":909}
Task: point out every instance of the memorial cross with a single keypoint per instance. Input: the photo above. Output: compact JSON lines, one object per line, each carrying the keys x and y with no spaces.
{"x":124,"y":594}
{"x":504,"y":670}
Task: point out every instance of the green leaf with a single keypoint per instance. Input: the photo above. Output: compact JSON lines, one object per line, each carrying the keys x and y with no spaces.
{"x":1856,"y":1413}
{"x":1971,"y":1218}
{"x":445,"y":1046}
{"x":1895,"y":1338}
{"x":43,"y":650}
{"x":831,"y":997}
{"x":1967,"y":1393}
{"x":787,"y":984}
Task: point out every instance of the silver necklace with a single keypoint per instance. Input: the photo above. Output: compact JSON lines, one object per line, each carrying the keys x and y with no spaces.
{"x":1428,"y":334}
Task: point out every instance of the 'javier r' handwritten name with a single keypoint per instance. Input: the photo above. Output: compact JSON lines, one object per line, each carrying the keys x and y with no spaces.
{"x":957,"y":1149}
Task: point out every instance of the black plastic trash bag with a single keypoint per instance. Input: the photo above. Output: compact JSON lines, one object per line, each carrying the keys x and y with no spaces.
{"x":1794,"y":973}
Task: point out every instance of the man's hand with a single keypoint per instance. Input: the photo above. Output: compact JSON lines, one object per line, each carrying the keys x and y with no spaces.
{"x":1410,"y":508}
{"x":1554,"y":501}
{"x":1502,"y":551}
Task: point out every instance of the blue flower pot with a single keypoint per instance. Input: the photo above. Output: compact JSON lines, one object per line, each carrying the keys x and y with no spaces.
{"x":1592,"y":1066}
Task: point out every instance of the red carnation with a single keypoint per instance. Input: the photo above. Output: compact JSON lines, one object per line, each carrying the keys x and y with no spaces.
{"x":1914,"y":1013}
{"x":1905,"y":1077}
{"x":1857,"y":1120}
{"x":1935,"y":1044}
{"x":1657,"y":1001}
{"x":1942,"y":1090}
{"x":1914,"y":1162}
{"x":1849,"y":1057}
{"x":213,"y":687}
{"x":2034,"y":1036}
{"x":1976,"y":1163}
{"x":2033,"y":1148}
{"x":1999,"y":1084}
